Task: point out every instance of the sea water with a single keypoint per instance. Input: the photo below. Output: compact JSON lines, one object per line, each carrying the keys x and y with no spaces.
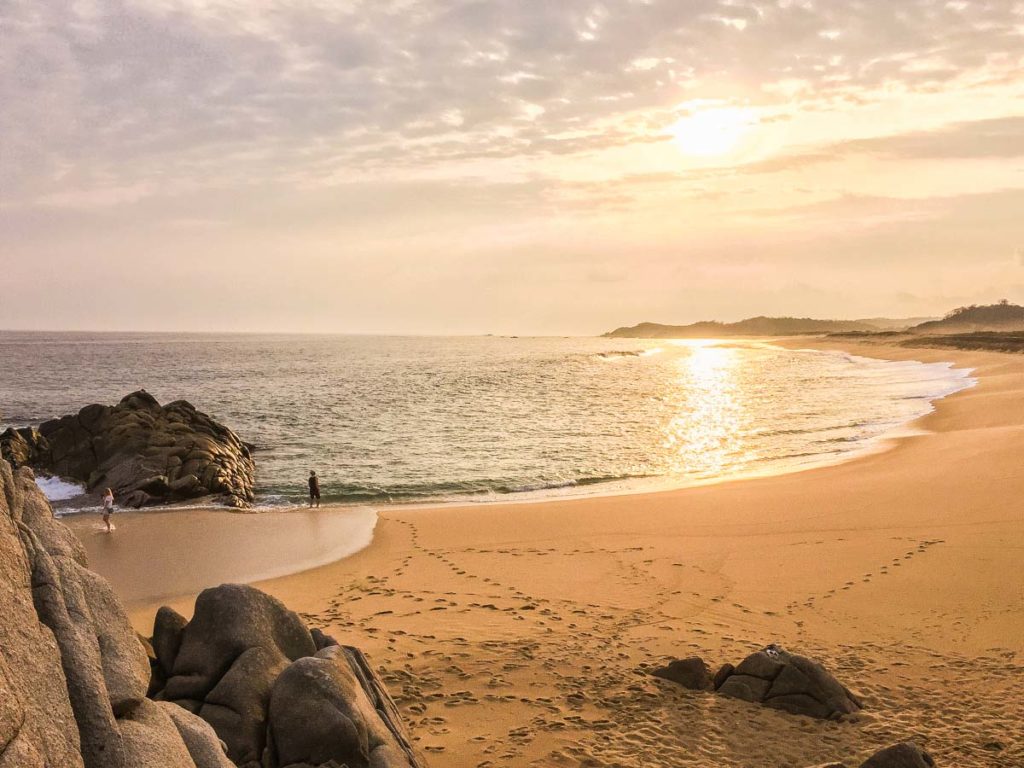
{"x":424,"y":419}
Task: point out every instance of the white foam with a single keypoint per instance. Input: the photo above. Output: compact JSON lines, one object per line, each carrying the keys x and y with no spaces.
{"x":56,"y":489}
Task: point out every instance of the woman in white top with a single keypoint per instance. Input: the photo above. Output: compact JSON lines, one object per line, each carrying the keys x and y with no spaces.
{"x":108,"y":508}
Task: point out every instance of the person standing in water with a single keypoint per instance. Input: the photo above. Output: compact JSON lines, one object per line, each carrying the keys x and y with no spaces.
{"x":108,"y":508}
{"x":314,"y":488}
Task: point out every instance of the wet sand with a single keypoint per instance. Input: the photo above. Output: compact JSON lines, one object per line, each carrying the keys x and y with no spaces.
{"x":520,"y":634}
{"x":156,"y":555}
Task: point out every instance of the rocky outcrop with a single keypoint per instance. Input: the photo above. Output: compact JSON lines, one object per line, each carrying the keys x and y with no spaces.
{"x":692,"y":673}
{"x":73,"y":676}
{"x":145,"y":452}
{"x":773,"y":677}
{"x":244,"y":683}
{"x":277,"y":694}
{"x":782,"y":680}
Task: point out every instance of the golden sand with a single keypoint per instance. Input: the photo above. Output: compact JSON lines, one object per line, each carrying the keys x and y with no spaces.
{"x":519,"y":634}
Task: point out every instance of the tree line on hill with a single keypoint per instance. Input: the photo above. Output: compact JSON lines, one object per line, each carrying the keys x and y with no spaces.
{"x":1002,"y":316}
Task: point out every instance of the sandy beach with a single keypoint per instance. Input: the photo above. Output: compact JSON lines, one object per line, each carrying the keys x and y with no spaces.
{"x":521,"y":634}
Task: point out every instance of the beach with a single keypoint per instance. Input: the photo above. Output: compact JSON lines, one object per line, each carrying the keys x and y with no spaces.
{"x":522,"y":634}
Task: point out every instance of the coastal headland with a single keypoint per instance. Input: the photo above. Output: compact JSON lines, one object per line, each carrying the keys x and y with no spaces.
{"x":523,"y":634}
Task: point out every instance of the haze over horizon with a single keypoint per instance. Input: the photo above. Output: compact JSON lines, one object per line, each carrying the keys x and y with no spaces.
{"x":455,"y":166}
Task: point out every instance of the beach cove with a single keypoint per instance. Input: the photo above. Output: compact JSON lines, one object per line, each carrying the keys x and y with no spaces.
{"x":898,"y":569}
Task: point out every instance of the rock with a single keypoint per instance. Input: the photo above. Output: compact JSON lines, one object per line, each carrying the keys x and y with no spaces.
{"x":137,"y":449}
{"x":188,"y":485}
{"x":690,"y":673}
{"x":776,"y":678}
{"x":150,"y":739}
{"x":227,"y":621}
{"x":20,"y":446}
{"x":230,"y":654}
{"x":761,"y":664}
{"x":905,"y":755}
{"x":154,"y":486}
{"x":722,"y":675}
{"x":322,"y":713}
{"x":277,"y":694}
{"x":136,"y":499}
{"x":37,"y":724}
{"x":320,"y":640}
{"x":123,"y":658}
{"x":206,"y":750}
{"x":73,"y":674}
{"x":167,"y":630}
{"x":745,"y":687}
{"x":237,"y":706}
{"x":62,"y":606}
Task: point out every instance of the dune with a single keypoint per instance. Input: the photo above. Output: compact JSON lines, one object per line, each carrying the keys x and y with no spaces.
{"x":523,"y":634}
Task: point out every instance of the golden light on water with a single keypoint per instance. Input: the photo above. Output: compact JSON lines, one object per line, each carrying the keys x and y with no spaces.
{"x":704,"y":437}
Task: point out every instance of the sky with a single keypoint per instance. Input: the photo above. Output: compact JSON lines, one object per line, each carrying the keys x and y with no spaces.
{"x":505,"y":166}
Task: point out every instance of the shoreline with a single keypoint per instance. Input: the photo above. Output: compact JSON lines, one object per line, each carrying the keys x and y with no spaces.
{"x":277,"y":498}
{"x":145,"y":529}
{"x":142,"y":558}
{"x":299,"y":536}
{"x":577,"y":489}
{"x":517,"y":634}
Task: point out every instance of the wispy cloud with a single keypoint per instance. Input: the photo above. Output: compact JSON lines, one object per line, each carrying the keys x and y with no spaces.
{"x":108,"y":89}
{"x":325,"y":119}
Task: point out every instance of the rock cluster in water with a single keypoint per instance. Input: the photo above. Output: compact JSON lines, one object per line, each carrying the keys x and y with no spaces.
{"x":276,"y":693}
{"x":145,"y":452}
{"x":77,"y":687}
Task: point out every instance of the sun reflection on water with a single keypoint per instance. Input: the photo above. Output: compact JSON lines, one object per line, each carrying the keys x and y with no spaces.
{"x":705,"y":436}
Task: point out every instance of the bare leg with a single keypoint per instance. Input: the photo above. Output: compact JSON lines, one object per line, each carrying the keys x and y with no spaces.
{"x":106,"y":519}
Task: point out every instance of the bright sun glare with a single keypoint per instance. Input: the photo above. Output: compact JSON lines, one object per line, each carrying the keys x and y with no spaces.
{"x":711,"y":132}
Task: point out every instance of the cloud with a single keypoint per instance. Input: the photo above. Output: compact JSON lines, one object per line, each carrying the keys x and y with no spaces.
{"x":996,"y":138}
{"x":111,"y":91}
{"x":468,"y":144}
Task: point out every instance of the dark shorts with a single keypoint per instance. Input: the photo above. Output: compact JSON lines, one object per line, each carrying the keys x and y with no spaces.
{"x":314,"y":494}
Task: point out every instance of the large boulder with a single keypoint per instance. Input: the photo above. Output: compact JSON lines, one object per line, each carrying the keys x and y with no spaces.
{"x":782,"y":680}
{"x":37,"y":724}
{"x":327,"y":708}
{"x":277,"y":694}
{"x":905,"y":755}
{"x":73,"y":676}
{"x":145,"y":452}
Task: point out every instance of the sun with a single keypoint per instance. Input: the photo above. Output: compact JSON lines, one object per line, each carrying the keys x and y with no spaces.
{"x":714,"y":131}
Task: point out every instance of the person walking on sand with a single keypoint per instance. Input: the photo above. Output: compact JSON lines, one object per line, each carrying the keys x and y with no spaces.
{"x":108,"y":508}
{"x":314,"y":488}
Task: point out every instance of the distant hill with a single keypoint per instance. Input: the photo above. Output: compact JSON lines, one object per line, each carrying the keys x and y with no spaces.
{"x":1003,"y":316}
{"x":895,"y":324}
{"x":758,"y":326}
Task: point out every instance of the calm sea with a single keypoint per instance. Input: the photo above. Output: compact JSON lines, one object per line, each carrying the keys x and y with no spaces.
{"x":400,"y":419}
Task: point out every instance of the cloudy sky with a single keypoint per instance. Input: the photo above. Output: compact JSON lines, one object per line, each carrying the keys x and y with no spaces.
{"x":508,"y":166}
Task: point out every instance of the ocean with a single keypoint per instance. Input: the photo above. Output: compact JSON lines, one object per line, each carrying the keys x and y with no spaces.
{"x":387,"y":420}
